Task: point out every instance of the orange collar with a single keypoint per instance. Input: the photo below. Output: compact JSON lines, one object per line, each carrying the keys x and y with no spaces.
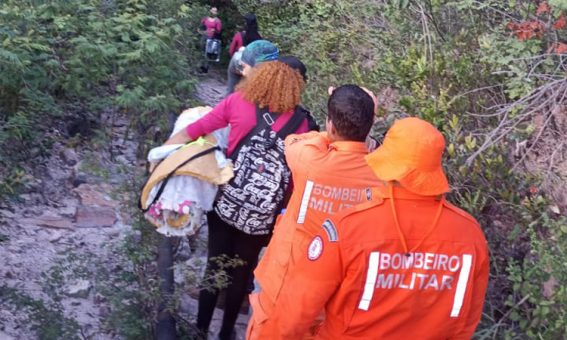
{"x":349,"y":146}
{"x":400,"y":193}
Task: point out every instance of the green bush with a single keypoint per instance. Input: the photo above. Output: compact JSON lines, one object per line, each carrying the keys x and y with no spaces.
{"x":66,"y":64}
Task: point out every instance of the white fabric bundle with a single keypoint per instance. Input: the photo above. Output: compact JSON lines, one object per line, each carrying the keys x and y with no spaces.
{"x":180,"y":209}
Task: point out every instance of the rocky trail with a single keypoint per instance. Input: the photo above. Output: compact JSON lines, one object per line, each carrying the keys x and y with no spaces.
{"x":60,"y":240}
{"x":67,"y":218}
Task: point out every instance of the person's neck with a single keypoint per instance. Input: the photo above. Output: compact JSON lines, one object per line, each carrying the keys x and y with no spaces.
{"x":336,"y":138}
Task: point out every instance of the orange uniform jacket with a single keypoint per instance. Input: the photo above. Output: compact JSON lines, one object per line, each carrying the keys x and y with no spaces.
{"x":357,"y":269}
{"x":327,"y":178}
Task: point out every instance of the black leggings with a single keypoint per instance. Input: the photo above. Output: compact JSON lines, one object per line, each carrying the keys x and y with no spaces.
{"x":227,"y":240}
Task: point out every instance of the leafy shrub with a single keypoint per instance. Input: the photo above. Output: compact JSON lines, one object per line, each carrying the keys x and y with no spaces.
{"x":65,"y":64}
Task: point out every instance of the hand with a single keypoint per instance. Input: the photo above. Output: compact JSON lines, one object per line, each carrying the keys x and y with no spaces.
{"x":374,"y":99}
{"x":180,"y":137}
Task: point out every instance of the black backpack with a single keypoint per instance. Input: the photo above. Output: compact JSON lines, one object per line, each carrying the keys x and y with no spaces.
{"x":251,"y":200}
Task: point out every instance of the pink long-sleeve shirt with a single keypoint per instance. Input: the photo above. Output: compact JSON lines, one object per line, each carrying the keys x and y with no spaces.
{"x":213,"y":26}
{"x":240,"y":115}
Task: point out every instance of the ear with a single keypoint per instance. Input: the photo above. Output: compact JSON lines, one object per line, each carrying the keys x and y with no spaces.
{"x":331,"y":131}
{"x":245,"y":69}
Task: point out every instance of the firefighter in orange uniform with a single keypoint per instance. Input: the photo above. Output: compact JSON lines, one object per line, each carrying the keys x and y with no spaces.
{"x":406,"y":265}
{"x":329,"y":174}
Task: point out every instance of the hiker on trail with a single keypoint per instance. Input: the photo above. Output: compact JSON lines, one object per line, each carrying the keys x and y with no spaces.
{"x":312,"y":125}
{"x":248,"y":35}
{"x":298,"y":66}
{"x":265,"y":102}
{"x":407,"y":265}
{"x":329,"y":174}
{"x":211,"y":27}
{"x":243,"y":60}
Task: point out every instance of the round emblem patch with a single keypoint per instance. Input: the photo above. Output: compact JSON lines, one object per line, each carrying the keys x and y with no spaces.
{"x":315,"y":248}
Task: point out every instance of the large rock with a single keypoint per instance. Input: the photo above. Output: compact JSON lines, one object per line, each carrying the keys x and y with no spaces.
{"x":91,"y":216}
{"x":69,"y":156}
{"x":93,"y":195}
{"x":55,"y":237}
{"x":67,"y":207}
{"x":56,"y":174}
{"x":79,"y":178}
{"x":78,"y":289}
{"x":48,"y":221}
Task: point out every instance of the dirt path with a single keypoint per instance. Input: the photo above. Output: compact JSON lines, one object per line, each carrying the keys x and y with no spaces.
{"x":211,"y":88}
{"x":59,"y":241}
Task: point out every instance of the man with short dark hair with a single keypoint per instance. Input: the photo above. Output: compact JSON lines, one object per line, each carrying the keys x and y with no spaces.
{"x":329,"y":174}
{"x":347,"y":117}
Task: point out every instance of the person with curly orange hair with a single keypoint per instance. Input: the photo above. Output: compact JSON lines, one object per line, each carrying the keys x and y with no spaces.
{"x":277,"y":87}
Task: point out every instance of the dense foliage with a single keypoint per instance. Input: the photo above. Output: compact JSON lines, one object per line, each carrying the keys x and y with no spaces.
{"x":67,"y":66}
{"x":491,"y":75}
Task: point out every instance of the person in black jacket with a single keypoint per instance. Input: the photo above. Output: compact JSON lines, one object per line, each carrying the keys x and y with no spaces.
{"x":297,"y":65}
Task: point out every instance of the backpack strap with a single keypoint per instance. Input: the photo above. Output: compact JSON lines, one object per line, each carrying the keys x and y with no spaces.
{"x":169,"y":175}
{"x":264,"y":119}
{"x":293,"y":123}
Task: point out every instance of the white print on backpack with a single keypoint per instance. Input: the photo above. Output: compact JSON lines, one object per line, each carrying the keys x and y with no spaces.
{"x":250,"y":200}
{"x":417,"y":271}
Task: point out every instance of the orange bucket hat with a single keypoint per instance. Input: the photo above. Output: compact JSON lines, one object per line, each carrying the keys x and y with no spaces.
{"x":411,"y":154}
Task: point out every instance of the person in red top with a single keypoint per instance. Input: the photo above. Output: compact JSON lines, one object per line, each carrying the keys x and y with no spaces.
{"x":211,"y":27}
{"x":212,"y":24}
{"x":406,"y":265}
{"x":278,"y":87}
{"x":245,"y":37}
{"x":329,"y":174}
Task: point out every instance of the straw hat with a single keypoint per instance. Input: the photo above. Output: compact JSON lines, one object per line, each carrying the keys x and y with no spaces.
{"x":411,"y":155}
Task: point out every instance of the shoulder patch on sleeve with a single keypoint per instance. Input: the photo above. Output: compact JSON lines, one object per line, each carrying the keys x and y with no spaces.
{"x":331,"y":230}
{"x":315,"y":248}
